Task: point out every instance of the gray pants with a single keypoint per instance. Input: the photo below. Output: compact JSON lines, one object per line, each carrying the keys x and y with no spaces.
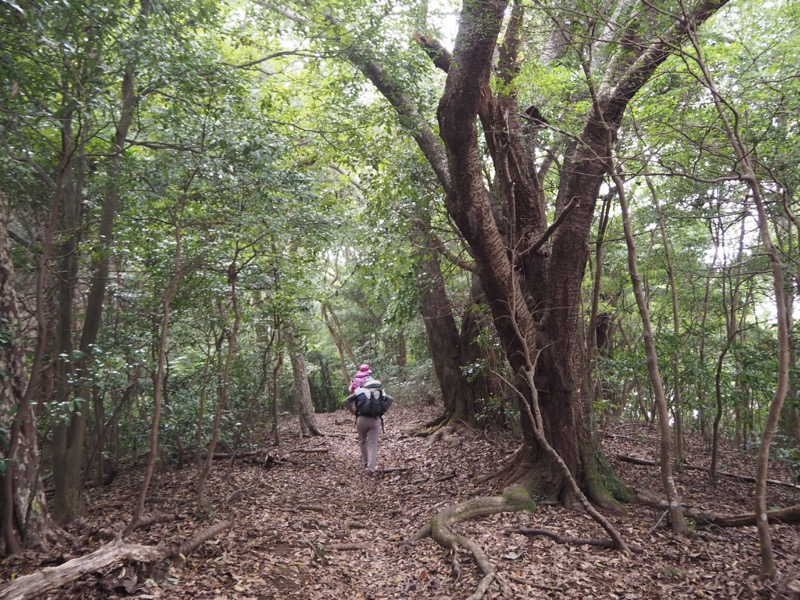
{"x":369,"y":428}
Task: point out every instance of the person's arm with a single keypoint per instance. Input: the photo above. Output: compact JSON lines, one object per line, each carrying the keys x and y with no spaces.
{"x":349,"y":403}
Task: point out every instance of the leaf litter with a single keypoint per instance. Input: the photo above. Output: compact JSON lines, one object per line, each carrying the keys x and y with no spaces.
{"x":309,"y":525}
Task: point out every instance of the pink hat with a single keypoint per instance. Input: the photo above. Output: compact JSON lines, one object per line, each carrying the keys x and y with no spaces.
{"x":364,"y":368}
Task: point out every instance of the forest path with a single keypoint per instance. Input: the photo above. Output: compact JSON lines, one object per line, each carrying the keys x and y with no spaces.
{"x":326,"y":501}
{"x":310,"y":525}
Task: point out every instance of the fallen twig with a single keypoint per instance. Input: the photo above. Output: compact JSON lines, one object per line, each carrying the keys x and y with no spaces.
{"x":345,"y":547}
{"x":661,"y":518}
{"x":396,"y":469}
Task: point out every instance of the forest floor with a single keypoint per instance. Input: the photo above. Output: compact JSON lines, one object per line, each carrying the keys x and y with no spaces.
{"x":308,"y":524}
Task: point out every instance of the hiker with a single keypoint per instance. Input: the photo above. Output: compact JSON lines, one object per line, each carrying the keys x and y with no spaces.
{"x":360,"y":377}
{"x":369,"y":403}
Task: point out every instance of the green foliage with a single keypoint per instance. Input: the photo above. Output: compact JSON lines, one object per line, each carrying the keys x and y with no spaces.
{"x":787,"y":450}
{"x":275,"y":161}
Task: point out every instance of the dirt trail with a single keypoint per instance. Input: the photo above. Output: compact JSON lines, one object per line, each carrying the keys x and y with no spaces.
{"x":312,"y":526}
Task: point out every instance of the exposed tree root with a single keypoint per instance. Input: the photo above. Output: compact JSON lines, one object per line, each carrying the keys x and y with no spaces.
{"x":561,"y":539}
{"x":52,"y":578}
{"x":440,"y":529}
{"x":434,"y":428}
{"x":534,"y":413}
{"x":445,"y":433}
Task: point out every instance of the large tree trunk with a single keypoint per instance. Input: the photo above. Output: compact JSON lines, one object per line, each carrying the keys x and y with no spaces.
{"x":308,"y":423}
{"x":485,"y":394}
{"x":443,"y":337}
{"x":532,"y":274}
{"x":25,"y":519}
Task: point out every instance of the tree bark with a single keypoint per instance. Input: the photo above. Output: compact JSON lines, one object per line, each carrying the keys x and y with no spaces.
{"x":535,"y":296}
{"x":308,"y":424}
{"x":25,"y":519}
{"x":442,"y":334}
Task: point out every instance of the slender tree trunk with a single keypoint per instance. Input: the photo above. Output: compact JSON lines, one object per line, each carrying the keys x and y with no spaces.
{"x":593,"y":382}
{"x":790,"y":423}
{"x":68,"y":435}
{"x":748,"y":177}
{"x":70,"y":442}
{"x":224,"y":384}
{"x":276,"y":391}
{"x":158,"y":380}
{"x":667,"y":480}
{"x":677,"y":403}
{"x":443,"y":337}
{"x":100,"y":436}
{"x":715,"y":428}
{"x":337,"y":335}
{"x":700,"y":386}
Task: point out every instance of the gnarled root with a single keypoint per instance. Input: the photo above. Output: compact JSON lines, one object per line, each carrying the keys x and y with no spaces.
{"x":431,"y":427}
{"x":440,"y":529}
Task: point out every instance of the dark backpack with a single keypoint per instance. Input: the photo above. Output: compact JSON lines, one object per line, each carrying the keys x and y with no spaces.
{"x":371,"y":399}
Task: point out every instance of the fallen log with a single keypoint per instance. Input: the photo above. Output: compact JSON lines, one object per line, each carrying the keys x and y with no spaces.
{"x":651,"y":463}
{"x":790,"y":514}
{"x":52,"y":578}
